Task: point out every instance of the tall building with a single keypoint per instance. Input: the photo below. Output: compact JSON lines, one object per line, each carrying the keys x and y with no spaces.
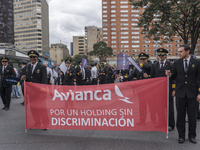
{"x":78,"y":45}
{"x":71,"y":48}
{"x":93,"y":35}
{"x":58,"y":52}
{"x":84,"y":44}
{"x":31,"y":25}
{"x":6,"y":21}
{"x":121,"y":33}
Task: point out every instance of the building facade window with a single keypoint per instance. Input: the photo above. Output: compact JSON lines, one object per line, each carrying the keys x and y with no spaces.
{"x":124,"y":15}
{"x":124,"y":24}
{"x":124,"y":19}
{"x":124,"y":41}
{"x":123,"y":11}
{"x":135,"y":41}
{"x":124,"y":6}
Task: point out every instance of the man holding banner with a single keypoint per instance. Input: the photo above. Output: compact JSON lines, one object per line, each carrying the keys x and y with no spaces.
{"x":146,"y":68}
{"x":36,"y":73}
{"x":158,"y":70}
{"x":142,"y":72}
{"x":6,"y":89}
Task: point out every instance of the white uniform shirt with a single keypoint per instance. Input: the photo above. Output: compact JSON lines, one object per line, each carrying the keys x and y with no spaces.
{"x":93,"y":72}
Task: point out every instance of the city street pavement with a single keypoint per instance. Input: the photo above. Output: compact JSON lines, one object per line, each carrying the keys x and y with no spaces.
{"x":13,"y":136}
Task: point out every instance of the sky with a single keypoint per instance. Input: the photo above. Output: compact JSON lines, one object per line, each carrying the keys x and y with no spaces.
{"x":68,"y":18}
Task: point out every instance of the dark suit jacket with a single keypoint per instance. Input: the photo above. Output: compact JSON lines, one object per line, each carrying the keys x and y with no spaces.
{"x":187,"y":83}
{"x":9,"y":71}
{"x":79,"y":79}
{"x":39,"y":74}
{"x":22,"y":72}
{"x":146,"y":68}
{"x":156,"y":71}
{"x":70,"y":78}
{"x":87,"y":76}
{"x":102,"y":77}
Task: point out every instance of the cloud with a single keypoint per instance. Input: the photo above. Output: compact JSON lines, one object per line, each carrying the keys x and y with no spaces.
{"x":68,"y":18}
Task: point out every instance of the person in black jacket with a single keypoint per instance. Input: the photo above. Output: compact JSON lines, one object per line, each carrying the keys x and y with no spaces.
{"x":36,"y":73}
{"x":102,"y":75}
{"x":186,"y":71}
{"x":158,"y":70}
{"x":22,"y":72}
{"x":108,"y":73}
{"x":6,"y":89}
{"x":80,"y":74}
{"x":69,"y":78}
{"x":146,"y":68}
{"x":144,"y":103}
{"x":87,"y":76}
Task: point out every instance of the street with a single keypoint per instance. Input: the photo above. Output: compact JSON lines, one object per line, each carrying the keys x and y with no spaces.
{"x":13,"y":136}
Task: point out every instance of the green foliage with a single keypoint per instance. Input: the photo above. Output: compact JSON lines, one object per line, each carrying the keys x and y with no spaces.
{"x":66,"y":58}
{"x":167,"y":18}
{"x":101,"y":50}
{"x":78,"y":57}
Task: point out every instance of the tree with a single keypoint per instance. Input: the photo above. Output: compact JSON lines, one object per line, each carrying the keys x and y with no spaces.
{"x":66,"y":58}
{"x":78,"y":57}
{"x":164,"y":19}
{"x":101,"y":50}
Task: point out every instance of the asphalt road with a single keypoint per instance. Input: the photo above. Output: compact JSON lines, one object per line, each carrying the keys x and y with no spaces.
{"x":13,"y":136}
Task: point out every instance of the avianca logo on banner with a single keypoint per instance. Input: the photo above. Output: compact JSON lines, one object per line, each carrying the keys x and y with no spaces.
{"x":85,"y":95}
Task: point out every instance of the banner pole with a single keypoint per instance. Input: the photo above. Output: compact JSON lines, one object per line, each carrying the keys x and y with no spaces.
{"x":26,"y":131}
{"x":167,"y":136}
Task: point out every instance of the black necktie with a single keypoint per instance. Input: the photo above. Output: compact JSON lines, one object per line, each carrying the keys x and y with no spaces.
{"x":31,"y":68}
{"x":186,"y":65}
{"x":161,"y":65}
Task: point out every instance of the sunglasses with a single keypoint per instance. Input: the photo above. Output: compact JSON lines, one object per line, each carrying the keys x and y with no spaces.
{"x":161,"y":55}
{"x":4,"y":61}
{"x":142,"y":59}
{"x":32,"y":57}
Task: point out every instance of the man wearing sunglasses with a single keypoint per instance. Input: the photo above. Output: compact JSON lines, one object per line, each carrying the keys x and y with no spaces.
{"x":35,"y":72}
{"x":146,"y":68}
{"x":6,"y":89}
{"x":158,"y":70}
{"x":144,"y":103}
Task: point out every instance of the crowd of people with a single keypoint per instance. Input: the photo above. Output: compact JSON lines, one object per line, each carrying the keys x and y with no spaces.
{"x":184,"y":81}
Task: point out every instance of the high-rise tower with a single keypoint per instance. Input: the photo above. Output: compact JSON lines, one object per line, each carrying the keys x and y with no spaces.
{"x":6,"y":21}
{"x":120,"y":31}
{"x":32,"y":25}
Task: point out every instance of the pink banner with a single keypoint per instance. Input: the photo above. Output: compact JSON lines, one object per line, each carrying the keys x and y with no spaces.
{"x":130,"y":106}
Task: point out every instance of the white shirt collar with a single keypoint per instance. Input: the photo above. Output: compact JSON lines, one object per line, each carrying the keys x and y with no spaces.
{"x":188,"y":59}
{"x":34,"y":64}
{"x":163,"y":62}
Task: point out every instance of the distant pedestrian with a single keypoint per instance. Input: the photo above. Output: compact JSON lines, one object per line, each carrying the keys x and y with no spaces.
{"x":6,"y":89}
{"x":22,"y":72}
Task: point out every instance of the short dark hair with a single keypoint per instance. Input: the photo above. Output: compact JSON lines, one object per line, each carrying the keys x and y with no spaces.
{"x":186,"y":47}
